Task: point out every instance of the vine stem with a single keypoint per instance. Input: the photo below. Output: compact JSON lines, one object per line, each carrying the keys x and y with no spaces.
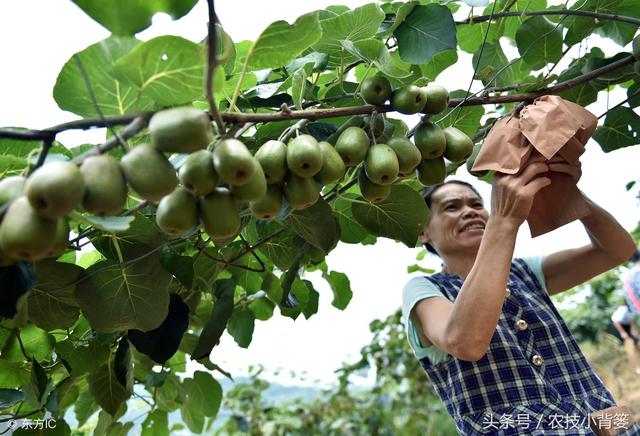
{"x":598,"y":15}
{"x":212,"y":62}
{"x":314,"y":114}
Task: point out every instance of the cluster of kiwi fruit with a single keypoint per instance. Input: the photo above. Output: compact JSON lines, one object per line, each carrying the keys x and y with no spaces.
{"x":215,"y":182}
{"x":431,"y":144}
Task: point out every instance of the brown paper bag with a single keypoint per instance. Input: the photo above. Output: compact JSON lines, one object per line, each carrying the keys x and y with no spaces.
{"x":551,"y":129}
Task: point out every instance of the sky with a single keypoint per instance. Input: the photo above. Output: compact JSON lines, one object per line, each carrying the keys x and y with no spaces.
{"x":37,"y":37}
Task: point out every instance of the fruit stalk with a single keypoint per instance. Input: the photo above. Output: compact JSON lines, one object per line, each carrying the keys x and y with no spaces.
{"x":212,"y":62}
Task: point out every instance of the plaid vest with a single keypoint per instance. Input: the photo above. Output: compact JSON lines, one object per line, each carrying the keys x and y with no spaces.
{"x":533,"y":380}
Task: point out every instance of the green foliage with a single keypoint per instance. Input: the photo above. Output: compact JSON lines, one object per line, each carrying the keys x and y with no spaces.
{"x":65,"y":340}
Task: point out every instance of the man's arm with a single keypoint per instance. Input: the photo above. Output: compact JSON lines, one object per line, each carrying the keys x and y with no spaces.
{"x":610,"y":246}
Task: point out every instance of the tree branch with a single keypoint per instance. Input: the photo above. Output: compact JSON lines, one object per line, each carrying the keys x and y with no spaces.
{"x":315,"y":114}
{"x":598,"y":15}
{"x":212,"y":62}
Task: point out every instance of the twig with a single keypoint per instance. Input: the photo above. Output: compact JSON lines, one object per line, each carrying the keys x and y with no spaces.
{"x":46,"y":146}
{"x":600,"y":16}
{"x":619,"y":104}
{"x":94,"y":101}
{"x":212,"y":62}
{"x":132,"y":129}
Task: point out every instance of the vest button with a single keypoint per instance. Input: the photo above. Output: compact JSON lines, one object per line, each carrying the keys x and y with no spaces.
{"x":508,"y":292}
{"x":522,"y":325}
{"x":537,"y":360}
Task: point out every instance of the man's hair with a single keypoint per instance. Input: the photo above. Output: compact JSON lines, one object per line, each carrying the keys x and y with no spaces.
{"x":635,"y":257}
{"x":427,"y":199}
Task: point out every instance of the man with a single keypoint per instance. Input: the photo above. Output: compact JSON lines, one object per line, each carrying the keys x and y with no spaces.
{"x":484,"y":329}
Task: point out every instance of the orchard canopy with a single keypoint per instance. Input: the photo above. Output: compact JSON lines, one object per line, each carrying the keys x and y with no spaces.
{"x":230,"y":168}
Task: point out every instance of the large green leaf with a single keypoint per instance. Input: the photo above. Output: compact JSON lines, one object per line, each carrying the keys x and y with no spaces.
{"x":262,"y":308}
{"x":341,"y":288}
{"x":621,"y":129}
{"x":121,"y":297}
{"x":373,"y":51}
{"x":281,"y":249}
{"x":241,"y":326}
{"x":351,"y":231}
{"x":37,"y":344}
{"x":220,"y":314}
{"x":167,"y":69}
{"x":52,"y":303}
{"x":539,"y":42}
{"x":493,"y":66}
{"x":619,"y":32}
{"x":468,"y":118}
{"x":440,"y":62}
{"x":426,"y":31}
{"x":360,"y":23}
{"x":128,"y":17}
{"x":402,"y":216}
{"x":584,"y":94}
{"x":156,"y":424}
{"x":106,"y":389}
{"x":282,"y":42}
{"x":510,"y":25}
{"x":206,"y":269}
{"x":316,"y":225}
{"x":113,"y":96}
{"x":77,"y":358}
{"x":403,"y":9}
{"x":13,"y":374}
{"x":204,"y":393}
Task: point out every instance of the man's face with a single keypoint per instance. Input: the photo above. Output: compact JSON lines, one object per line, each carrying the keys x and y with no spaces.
{"x":458,"y":219}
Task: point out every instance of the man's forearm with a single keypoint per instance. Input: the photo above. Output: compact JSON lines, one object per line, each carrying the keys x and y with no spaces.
{"x":607,"y":235}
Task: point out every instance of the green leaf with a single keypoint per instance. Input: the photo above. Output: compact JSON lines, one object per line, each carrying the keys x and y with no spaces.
{"x":193,"y":419}
{"x":510,"y":25}
{"x":281,"y":249}
{"x":351,"y":231}
{"x":360,"y":23}
{"x":122,"y":297}
{"x":584,"y":94}
{"x":281,"y":42}
{"x":180,"y":266}
{"x":299,"y":86}
{"x":38,"y":380}
{"x":440,"y":62}
{"x":206,"y":269}
{"x":8,"y":397}
{"x":619,"y":32}
{"x":52,"y":303}
{"x":156,"y":424}
{"x":105,"y":388}
{"x":402,"y":216}
{"x":374,"y":52}
{"x":399,"y":16}
{"x":471,"y":36}
{"x":425,"y":32}
{"x":114,"y":96}
{"x":37,"y":343}
{"x":492,"y":66}
{"x":220,"y":314}
{"x":311,"y":308}
{"x":84,"y":407}
{"x":122,"y":364}
{"x":468,"y":120}
{"x":128,"y":17}
{"x":204,"y":393}
{"x":109,"y":224}
{"x":621,"y":129}
{"x":539,"y":42}
{"x":341,"y":288}
{"x":77,"y":358}
{"x":167,"y":69}
{"x":316,"y":225}
{"x":262,"y":308}
{"x":318,"y":61}
{"x":241,"y":326}
{"x":13,"y":374}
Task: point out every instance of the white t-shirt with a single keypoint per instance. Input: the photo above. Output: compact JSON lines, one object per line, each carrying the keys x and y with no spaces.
{"x":419,"y":288}
{"x":622,"y":315}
